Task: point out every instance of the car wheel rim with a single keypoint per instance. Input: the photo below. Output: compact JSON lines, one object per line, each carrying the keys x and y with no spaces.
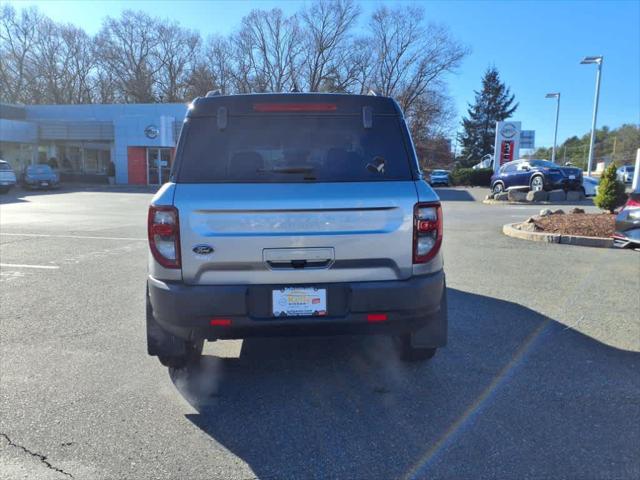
{"x":536,"y":184}
{"x":497,"y":188}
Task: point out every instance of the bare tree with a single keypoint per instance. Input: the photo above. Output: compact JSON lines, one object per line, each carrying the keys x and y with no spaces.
{"x":218,"y":58}
{"x":326,"y":51}
{"x":266,"y":48}
{"x":128,"y":47}
{"x":410,"y":57}
{"x":105,"y":88}
{"x":18,"y":39}
{"x":176,"y":56}
{"x":61,"y":65}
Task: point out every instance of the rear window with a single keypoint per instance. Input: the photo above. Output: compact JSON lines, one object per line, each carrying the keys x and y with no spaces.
{"x":39,"y":169}
{"x":288,"y":148}
{"x":543,"y":163}
{"x":5,"y":166}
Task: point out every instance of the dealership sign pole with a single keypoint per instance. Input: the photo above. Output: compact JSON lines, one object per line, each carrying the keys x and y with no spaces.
{"x":507,"y":146}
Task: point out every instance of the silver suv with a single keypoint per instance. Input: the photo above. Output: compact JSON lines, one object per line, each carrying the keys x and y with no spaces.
{"x":294,"y":214}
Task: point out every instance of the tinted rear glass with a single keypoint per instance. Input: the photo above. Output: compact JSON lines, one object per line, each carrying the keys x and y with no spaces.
{"x":543,"y":163}
{"x":39,"y":169}
{"x":292,"y":148}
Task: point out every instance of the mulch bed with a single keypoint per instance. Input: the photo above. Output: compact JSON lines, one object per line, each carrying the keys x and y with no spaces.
{"x":584,"y":224}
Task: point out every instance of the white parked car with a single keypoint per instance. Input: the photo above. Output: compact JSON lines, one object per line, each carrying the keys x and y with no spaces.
{"x":485,"y":162}
{"x":590,"y":185}
{"x":7,"y":177}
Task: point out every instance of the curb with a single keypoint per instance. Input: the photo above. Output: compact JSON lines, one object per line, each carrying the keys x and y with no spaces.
{"x":584,"y":203}
{"x":510,"y":230}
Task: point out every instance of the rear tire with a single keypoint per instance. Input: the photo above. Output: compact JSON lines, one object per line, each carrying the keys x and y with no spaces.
{"x":409,"y":353}
{"x":537,"y":183}
{"x":193,"y":352}
{"x":498,"y":188}
{"x":172,"y":351}
{"x":414,"y":347}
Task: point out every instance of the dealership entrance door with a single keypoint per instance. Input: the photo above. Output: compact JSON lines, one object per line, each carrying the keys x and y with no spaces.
{"x":158,"y":165}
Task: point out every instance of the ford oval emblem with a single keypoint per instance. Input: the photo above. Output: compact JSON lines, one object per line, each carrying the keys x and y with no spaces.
{"x":202,"y":249}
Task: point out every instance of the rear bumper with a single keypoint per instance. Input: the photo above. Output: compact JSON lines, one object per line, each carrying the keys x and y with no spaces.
{"x":186,"y":310}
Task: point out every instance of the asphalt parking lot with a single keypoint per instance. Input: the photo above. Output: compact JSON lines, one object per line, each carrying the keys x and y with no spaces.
{"x":541,"y":378}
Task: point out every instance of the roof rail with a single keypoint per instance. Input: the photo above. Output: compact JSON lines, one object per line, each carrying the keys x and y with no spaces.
{"x":214,"y":93}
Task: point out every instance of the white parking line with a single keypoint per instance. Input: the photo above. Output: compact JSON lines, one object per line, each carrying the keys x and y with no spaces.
{"x":84,"y":237}
{"x":16,"y":265}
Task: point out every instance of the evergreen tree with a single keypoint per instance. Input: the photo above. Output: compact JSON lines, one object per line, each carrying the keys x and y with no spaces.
{"x":611,"y":193}
{"x":494,"y":103}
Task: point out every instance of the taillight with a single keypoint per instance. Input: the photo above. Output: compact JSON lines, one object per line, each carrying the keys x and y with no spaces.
{"x":164,"y":235}
{"x":427,"y":231}
{"x":632,"y":203}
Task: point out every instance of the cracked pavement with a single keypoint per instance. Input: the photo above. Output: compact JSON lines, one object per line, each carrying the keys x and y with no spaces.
{"x":15,"y":468}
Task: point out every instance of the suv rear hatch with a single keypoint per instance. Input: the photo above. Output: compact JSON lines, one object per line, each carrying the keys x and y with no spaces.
{"x":275,"y":191}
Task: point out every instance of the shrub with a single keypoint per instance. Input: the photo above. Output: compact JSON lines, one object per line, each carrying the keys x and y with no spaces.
{"x":468,"y":176}
{"x":610,"y":191}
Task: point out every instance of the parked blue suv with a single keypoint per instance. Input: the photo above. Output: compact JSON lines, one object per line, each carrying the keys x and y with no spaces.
{"x":536,"y":175}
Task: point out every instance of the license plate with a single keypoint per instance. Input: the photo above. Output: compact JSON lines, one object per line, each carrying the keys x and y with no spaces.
{"x":44,"y":184}
{"x":299,"y":302}
{"x":572,"y":177}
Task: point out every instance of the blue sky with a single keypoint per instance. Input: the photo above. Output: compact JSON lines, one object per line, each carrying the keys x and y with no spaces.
{"x":536,"y":45}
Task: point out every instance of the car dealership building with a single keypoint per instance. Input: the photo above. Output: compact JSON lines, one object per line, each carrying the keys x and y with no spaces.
{"x":82,"y":140}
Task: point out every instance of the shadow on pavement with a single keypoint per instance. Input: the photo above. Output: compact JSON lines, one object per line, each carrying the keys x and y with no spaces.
{"x":19,"y":194}
{"x":514,"y":395}
{"x":454,"y":195}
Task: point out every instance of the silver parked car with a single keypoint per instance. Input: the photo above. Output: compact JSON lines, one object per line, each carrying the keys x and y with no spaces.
{"x":7,"y":177}
{"x":439,"y":177}
{"x":625,"y":173}
{"x":294,"y":214}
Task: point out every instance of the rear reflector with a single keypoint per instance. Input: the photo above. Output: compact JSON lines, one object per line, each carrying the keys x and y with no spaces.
{"x":295,"y":107}
{"x":220,"y":322}
{"x":377,"y":317}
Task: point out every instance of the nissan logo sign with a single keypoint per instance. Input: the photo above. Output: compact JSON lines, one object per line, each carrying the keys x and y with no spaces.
{"x":508,"y":130}
{"x":151,"y":131}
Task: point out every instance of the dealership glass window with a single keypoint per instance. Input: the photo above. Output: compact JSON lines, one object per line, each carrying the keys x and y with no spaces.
{"x":19,"y":155}
{"x":90,"y":160}
{"x":70,"y":158}
{"x":104,"y":156}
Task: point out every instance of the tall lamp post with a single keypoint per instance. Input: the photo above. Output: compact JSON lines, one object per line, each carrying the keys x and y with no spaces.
{"x":598,"y":61}
{"x":555,"y":134}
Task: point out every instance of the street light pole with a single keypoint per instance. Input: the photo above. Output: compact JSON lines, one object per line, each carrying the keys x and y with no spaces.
{"x":555,"y":134}
{"x":598,"y":61}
